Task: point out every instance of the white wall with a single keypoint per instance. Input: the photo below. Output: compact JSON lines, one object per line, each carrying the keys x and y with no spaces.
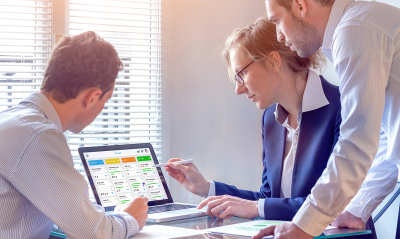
{"x":208,"y":121}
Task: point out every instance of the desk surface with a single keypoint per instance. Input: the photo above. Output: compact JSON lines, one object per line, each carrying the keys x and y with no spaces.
{"x":205,"y":222}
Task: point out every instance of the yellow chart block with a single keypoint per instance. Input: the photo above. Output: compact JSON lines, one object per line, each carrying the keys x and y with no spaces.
{"x":111,"y":161}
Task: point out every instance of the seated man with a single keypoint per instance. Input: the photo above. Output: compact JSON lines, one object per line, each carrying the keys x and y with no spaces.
{"x":39,"y":185}
{"x":300,"y":125}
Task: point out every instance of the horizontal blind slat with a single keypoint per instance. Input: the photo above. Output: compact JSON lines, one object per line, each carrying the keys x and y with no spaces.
{"x":108,"y":12}
{"x":72,"y":5}
{"x":133,"y":1}
{"x":115,"y":31}
{"x":115,"y":135}
{"x":27,"y":12}
{"x":111,"y":142}
{"x":109,"y":18}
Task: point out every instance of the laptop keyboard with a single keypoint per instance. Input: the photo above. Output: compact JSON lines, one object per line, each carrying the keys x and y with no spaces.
{"x":168,"y":207}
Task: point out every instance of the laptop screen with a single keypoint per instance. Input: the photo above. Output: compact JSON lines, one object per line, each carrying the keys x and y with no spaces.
{"x":120,"y":175}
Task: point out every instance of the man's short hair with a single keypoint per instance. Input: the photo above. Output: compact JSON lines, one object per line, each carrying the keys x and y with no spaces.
{"x":288,"y":3}
{"x":78,"y":63}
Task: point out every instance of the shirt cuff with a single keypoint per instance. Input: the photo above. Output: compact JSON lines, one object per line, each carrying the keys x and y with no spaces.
{"x":261,"y":207}
{"x":361,"y":208}
{"x":133,"y":225}
{"x":211,"y":191}
{"x":311,"y":220}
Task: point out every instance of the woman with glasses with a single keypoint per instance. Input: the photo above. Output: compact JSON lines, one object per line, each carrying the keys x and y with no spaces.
{"x":300,"y":124}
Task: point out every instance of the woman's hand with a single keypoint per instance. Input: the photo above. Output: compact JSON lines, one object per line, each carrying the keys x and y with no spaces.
{"x":225,"y":207}
{"x":188,"y":176}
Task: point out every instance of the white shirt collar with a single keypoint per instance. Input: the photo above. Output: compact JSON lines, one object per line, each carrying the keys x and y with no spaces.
{"x":314,"y":95}
{"x":46,"y":106}
{"x":313,"y":98}
{"x":334,"y":20}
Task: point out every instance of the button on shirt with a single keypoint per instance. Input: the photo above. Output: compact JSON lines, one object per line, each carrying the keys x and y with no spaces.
{"x":39,"y":185}
{"x":313,"y":98}
{"x":362,"y":39}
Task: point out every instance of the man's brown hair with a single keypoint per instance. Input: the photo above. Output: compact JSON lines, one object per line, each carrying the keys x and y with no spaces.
{"x":78,"y":63}
{"x":288,"y":3}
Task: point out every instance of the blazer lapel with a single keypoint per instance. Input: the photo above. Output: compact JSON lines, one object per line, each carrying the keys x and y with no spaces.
{"x":274,"y":145}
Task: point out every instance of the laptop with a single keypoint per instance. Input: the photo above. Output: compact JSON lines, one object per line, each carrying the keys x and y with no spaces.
{"x":119,"y":173}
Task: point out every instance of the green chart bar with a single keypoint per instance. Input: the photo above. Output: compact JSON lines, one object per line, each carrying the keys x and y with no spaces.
{"x":143,"y":158}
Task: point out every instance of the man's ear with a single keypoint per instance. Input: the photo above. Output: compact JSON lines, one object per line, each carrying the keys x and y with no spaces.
{"x":274,"y":61}
{"x":300,"y":7}
{"x":90,"y":96}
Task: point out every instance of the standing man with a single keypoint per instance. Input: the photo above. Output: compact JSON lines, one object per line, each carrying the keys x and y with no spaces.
{"x":362,"y":39}
{"x":39,"y":185}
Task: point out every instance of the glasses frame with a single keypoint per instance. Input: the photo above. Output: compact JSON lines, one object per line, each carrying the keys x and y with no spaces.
{"x":238,"y":78}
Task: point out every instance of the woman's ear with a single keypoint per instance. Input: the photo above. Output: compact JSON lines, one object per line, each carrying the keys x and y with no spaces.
{"x":273,"y":61}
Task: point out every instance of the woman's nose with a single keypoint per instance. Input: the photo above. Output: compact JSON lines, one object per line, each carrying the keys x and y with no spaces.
{"x":240,"y":88}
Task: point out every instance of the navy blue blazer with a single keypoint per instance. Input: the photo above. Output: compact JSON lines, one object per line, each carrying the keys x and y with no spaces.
{"x":319,"y":132}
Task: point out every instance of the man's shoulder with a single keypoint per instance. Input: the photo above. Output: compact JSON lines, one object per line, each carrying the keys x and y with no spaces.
{"x":19,"y":126}
{"x":25,"y":118}
{"x":373,"y":14}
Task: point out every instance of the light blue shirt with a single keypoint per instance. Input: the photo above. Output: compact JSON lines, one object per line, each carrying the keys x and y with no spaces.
{"x":39,"y":185}
{"x":362,"y":39}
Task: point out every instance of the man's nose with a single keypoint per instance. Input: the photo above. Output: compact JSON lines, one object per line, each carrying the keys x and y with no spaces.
{"x":279,"y":35}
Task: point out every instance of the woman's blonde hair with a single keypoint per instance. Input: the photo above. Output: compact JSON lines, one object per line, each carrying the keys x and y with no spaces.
{"x":259,"y":39}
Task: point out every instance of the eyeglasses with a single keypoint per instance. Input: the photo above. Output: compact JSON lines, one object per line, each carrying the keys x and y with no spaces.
{"x":238,"y":78}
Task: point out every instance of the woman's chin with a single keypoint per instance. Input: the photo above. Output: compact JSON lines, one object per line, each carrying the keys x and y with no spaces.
{"x":262,"y":106}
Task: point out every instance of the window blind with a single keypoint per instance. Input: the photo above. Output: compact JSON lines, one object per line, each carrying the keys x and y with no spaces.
{"x":25,"y":45}
{"x":133,"y":114}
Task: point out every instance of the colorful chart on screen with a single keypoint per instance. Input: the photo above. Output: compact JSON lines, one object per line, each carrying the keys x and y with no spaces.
{"x":120,"y":176}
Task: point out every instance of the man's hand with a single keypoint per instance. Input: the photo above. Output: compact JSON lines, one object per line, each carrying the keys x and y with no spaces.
{"x":137,"y":209}
{"x":346,"y":219}
{"x":227,"y":206}
{"x":284,"y":231}
{"x":189,"y":177}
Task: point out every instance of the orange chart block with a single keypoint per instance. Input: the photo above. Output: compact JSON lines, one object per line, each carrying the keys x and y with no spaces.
{"x":128,"y":160}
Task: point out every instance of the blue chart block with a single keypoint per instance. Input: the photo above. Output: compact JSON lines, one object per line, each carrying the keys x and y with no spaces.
{"x":96,"y":162}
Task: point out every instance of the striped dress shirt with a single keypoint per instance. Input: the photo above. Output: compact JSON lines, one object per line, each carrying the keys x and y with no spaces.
{"x":362,"y":39}
{"x":39,"y":185}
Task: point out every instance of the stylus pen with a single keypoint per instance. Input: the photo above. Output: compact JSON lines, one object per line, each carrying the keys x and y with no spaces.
{"x":180,"y":162}
{"x":139,"y":190}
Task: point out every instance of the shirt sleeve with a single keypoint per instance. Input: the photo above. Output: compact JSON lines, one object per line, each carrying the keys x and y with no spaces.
{"x":261,"y":207}
{"x":380,"y":182}
{"x":47,"y":178}
{"x":211,"y":191}
{"x":362,"y":57}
